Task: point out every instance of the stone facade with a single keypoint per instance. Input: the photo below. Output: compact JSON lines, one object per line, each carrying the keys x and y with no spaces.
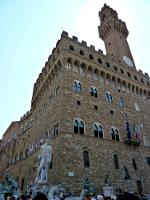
{"x":7,"y":146}
{"x":61,"y":95}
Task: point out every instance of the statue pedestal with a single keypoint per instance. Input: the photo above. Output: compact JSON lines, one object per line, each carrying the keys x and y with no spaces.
{"x":51,"y":191}
{"x":107,"y":191}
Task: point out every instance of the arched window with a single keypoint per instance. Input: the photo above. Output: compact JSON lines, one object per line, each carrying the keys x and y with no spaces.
{"x":21,"y":156}
{"x":93,"y":91}
{"x":116,"y":163}
{"x":86,"y":159}
{"x":56,"y":129}
{"x":71,"y":48}
{"x":81,"y":52}
{"x":114,"y":134}
{"x":99,"y":61}
{"x":121,"y":102}
{"x":77,"y":86}
{"x":91,"y":56}
{"x":98,"y":130}
{"x":51,"y":163}
{"x":26,"y":152}
{"x":109,"y":97}
{"x":69,"y":63}
{"x":134,"y":163}
{"x":78,"y":126}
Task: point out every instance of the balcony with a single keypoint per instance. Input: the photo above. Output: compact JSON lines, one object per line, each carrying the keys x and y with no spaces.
{"x":132,"y":142}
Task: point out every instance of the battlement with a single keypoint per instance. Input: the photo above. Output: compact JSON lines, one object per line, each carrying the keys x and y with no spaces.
{"x":82,"y":43}
{"x":26,"y":115}
{"x":55,"y":51}
{"x":107,"y":11}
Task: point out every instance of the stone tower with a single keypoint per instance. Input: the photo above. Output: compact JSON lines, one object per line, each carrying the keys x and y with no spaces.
{"x":114,"y":32}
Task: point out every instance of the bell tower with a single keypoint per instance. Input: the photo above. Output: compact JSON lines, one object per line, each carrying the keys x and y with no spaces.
{"x":114,"y":33}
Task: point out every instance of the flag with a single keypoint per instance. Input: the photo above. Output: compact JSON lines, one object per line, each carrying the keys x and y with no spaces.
{"x":128,"y":130}
{"x":139,"y":132}
{"x":136,"y":130}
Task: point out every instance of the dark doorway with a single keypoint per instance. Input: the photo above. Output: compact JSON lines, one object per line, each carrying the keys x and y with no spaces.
{"x":139,"y":187}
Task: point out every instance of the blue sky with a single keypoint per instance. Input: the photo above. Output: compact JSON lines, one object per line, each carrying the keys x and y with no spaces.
{"x":31,"y":28}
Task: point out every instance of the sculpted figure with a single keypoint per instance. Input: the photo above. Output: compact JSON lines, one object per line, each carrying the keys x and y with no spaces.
{"x":56,"y":192}
{"x":86,"y":183}
{"x":126,"y":173}
{"x":45,"y":159}
{"x":11,"y":184}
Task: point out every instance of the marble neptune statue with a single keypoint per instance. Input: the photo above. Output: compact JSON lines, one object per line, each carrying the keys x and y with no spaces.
{"x":45,"y":159}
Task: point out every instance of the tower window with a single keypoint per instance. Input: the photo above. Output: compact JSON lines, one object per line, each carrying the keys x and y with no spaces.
{"x":135,"y":77}
{"x":148,"y":83}
{"x":115,"y":68}
{"x":142,"y":81}
{"x":99,"y":61}
{"x":81,"y":52}
{"x":93,"y":91}
{"x":116,"y":163}
{"x":71,"y":48}
{"x":78,"y":126}
{"x":77,"y":86}
{"x":78,"y":102}
{"x":98,"y":130}
{"x":91,"y":56}
{"x":122,"y":72}
{"x":129,"y":75}
{"x":86,"y":159}
{"x":107,"y":64}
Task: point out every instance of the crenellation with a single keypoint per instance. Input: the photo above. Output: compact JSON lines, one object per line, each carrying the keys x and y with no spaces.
{"x":57,"y":43}
{"x":100,"y":51}
{"x":64,"y":34}
{"x":108,"y":56}
{"x":92,"y":47}
{"x":49,"y":58}
{"x":84,"y":43}
{"x":146,"y":75}
{"x":53,"y":51}
{"x":75,"y":38}
{"x":140,"y":71}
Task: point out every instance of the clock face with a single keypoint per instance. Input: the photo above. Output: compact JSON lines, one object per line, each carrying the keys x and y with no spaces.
{"x":128,"y":61}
